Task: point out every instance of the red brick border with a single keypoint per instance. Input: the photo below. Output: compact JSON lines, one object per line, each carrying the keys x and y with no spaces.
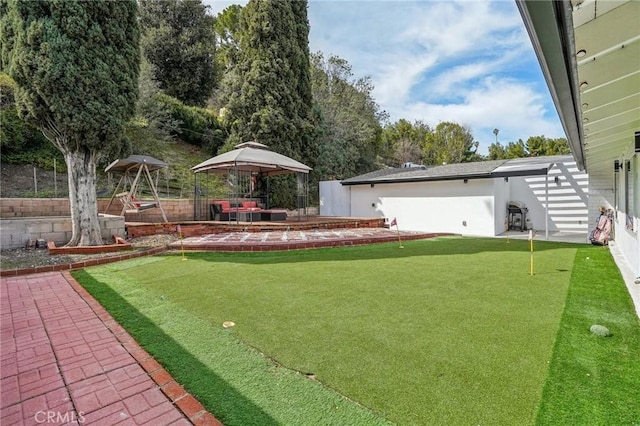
{"x":120,"y":245}
{"x":80,"y":264}
{"x":185,"y":402}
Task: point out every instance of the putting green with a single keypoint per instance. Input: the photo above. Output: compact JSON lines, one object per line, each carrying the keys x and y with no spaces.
{"x":447,"y":331}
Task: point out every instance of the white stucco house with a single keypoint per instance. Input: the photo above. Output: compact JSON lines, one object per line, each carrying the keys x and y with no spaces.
{"x":589,"y":53}
{"x":469,"y":198}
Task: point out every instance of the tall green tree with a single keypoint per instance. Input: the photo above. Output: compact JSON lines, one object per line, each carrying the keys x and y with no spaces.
{"x":558,"y":146}
{"x":273,"y":100}
{"x":536,"y":146}
{"x":227,"y":31}
{"x":539,"y":145}
{"x":497,"y":151}
{"x":450,"y":143}
{"x":269,"y":96}
{"x":404,"y":141}
{"x":348,"y":119}
{"x":76,"y":67}
{"x":179,"y":40}
{"x":516,"y":150}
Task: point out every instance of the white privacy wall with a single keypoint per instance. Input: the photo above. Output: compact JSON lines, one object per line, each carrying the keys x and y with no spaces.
{"x":334,"y":199}
{"x":568,"y":198}
{"x":478,"y":207}
{"x":501,"y":199}
{"x":443,"y":206}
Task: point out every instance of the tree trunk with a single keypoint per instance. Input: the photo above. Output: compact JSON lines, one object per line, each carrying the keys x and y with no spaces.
{"x":81,"y":167}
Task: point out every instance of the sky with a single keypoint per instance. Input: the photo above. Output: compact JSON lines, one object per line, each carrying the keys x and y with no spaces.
{"x":470,"y":62}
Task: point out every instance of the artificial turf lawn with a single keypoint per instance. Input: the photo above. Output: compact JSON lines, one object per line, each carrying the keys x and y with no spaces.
{"x":448,"y":331}
{"x":594,"y":380}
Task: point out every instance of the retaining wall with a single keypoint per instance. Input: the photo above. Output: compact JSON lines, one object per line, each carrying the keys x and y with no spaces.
{"x":176,"y":210}
{"x":17,"y":231}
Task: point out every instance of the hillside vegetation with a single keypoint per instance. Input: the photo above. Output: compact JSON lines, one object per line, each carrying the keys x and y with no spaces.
{"x":207,"y":83}
{"x":176,"y":181}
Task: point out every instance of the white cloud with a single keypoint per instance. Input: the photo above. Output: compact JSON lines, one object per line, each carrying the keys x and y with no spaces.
{"x":470,"y":62}
{"x":455,"y":28}
{"x":217,"y":6}
{"x":512,"y":107}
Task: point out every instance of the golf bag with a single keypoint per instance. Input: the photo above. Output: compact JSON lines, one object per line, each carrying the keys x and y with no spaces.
{"x":600,"y":235}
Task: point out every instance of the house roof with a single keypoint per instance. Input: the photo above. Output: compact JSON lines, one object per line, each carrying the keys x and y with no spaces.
{"x":475,"y":170}
{"x":588,"y":51}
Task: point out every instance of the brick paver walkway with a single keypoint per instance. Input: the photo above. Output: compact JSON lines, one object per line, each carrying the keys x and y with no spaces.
{"x":64,"y":360}
{"x":294,"y":240}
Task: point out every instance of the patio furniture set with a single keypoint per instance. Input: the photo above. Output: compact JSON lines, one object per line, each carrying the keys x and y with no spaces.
{"x":245,"y":211}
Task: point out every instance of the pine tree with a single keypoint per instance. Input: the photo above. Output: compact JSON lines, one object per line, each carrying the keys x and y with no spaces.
{"x":270,"y":95}
{"x":76,"y":67}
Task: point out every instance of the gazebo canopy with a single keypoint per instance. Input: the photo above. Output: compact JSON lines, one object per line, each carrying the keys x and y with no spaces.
{"x":252,"y":157}
{"x":133,"y":162}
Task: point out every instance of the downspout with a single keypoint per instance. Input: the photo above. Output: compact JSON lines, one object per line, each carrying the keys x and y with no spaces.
{"x":546,"y":205}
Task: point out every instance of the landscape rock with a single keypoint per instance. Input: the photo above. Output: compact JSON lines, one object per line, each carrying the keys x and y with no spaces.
{"x":600,"y":330}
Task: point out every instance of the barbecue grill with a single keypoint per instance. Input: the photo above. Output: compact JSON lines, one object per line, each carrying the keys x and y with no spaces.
{"x":517,"y":215}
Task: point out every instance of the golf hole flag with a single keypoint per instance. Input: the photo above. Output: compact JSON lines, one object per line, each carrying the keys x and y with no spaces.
{"x":394,"y":222}
{"x":531,"y":248}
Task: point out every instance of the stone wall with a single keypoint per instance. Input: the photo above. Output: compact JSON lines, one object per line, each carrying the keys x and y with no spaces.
{"x":17,"y":231}
{"x":33,"y":207}
{"x":176,"y":210}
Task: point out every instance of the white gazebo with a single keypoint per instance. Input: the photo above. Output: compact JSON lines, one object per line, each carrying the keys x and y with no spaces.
{"x":245,"y":164}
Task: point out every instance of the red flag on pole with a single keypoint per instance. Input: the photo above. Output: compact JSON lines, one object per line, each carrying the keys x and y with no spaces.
{"x":394,"y":222}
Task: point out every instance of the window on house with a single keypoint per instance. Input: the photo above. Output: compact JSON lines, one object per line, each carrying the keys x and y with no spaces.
{"x":630,"y":179}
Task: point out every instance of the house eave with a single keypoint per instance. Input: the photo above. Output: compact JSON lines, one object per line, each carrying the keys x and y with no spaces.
{"x":554,"y":46}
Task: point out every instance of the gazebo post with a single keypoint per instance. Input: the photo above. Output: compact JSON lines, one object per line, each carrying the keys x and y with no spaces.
{"x":195,"y":197}
{"x":235,"y":188}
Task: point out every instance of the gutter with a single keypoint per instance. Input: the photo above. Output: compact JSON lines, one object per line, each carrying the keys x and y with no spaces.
{"x":549,"y":24}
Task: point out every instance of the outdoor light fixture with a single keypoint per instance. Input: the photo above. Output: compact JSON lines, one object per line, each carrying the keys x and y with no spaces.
{"x":628,"y":165}
{"x":556,"y":180}
{"x":506,"y":179}
{"x":616,"y":166}
{"x":373,"y":184}
{"x":466,"y":181}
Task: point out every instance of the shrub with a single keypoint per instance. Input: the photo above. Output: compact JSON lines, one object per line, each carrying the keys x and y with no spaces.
{"x":198,"y":126}
{"x":22,"y":142}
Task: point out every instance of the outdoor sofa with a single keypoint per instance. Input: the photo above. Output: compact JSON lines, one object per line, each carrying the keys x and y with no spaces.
{"x":245,"y":211}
